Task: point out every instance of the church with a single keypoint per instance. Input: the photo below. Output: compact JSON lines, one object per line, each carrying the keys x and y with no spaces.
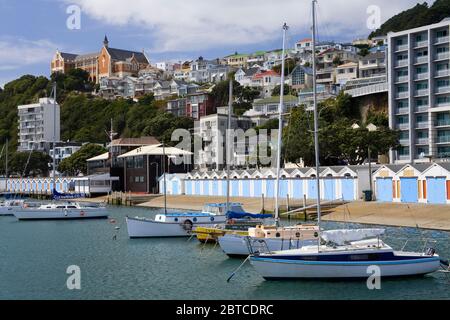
{"x":109,"y":62}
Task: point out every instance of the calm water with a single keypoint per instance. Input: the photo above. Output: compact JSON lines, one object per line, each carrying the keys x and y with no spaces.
{"x":34,"y":257}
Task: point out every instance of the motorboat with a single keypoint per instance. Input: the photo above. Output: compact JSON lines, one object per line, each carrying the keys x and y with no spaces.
{"x":61,"y":211}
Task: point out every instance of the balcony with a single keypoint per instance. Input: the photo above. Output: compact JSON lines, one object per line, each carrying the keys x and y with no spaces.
{"x":403,"y":157}
{"x":421,"y":44}
{"x":442,"y":56}
{"x":401,"y":63}
{"x":442,"y":40}
{"x":442,"y":73}
{"x":442,"y":90}
{"x":421,"y":76}
{"x":443,"y":104}
{"x":420,"y":60}
{"x":422,"y":141}
{"x":404,"y":142}
{"x":442,"y":123}
{"x":402,"y":95}
{"x":402,"y":47}
{"x":421,"y":109}
{"x":402,"y":79}
{"x":421,"y":92}
{"x":403,"y":126}
{"x":422,"y":125}
{"x":443,"y":139}
{"x":404,"y":110}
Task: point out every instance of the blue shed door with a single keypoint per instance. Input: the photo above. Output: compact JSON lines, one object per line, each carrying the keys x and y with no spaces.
{"x":330,"y":189}
{"x":175,"y":189}
{"x":188,"y":184}
{"x":384,"y":190}
{"x":197,"y":187}
{"x":409,"y":190}
{"x":246,"y":188}
{"x":257,"y":185}
{"x":298,"y":189}
{"x":312,"y":189}
{"x":284,"y":188}
{"x":235,"y":188}
{"x":215,"y":188}
{"x":270,"y":188}
{"x":348,"y":189}
{"x":436,"y":190}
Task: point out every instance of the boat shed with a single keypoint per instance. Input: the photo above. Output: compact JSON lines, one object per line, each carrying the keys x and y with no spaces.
{"x":435,"y":182}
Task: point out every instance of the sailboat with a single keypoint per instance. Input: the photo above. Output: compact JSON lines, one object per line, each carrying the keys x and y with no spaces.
{"x":342,"y":253}
{"x":61,"y":211}
{"x":174,"y":224}
{"x":8,"y":206}
{"x":271,"y":238}
{"x":238,"y":220}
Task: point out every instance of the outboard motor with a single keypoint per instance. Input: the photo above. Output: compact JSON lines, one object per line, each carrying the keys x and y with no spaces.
{"x":430,"y":252}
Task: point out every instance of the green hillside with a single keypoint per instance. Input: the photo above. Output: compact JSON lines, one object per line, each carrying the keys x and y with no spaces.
{"x":418,"y":16}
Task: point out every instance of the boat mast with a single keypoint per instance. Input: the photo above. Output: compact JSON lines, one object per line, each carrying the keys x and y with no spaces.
{"x":316,"y":116}
{"x":54,"y":137}
{"x":6,"y":160}
{"x":165,"y":179}
{"x":228,"y":142}
{"x":280,"y":128}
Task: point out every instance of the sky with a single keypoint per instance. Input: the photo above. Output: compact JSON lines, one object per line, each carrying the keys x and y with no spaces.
{"x":171,"y":30}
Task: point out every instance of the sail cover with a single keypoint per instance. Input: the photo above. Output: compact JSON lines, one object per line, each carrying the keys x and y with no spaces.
{"x":341,"y":237}
{"x":60,"y":196}
{"x":246,"y":215}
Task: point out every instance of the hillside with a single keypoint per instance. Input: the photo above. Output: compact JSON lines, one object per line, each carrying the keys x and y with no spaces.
{"x":419,"y":15}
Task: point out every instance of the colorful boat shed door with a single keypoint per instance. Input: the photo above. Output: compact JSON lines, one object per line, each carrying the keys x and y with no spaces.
{"x":384,"y":189}
{"x":409,"y":190}
{"x":436,"y":190}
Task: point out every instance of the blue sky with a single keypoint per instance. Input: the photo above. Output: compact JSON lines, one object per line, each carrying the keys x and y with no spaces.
{"x":31,"y":31}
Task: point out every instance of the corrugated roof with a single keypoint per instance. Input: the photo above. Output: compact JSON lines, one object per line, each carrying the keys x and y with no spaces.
{"x":102,"y":157}
{"x":135,"y":142}
{"x":123,"y":55}
{"x":156,"y":150}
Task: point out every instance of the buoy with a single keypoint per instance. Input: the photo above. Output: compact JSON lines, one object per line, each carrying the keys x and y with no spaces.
{"x":117,"y":228}
{"x":112,"y":221}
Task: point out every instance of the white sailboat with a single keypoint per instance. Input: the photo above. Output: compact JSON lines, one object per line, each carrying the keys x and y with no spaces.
{"x":63,"y":211}
{"x":344,"y":253}
{"x":174,"y":224}
{"x":8,"y":207}
{"x":271,"y":238}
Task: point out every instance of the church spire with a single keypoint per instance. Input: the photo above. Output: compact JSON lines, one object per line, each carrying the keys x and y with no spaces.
{"x":106,"y":42}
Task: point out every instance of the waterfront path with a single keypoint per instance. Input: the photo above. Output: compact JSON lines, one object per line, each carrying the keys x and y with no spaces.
{"x":426,"y":216}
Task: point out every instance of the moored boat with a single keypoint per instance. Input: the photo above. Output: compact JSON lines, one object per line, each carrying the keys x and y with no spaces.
{"x":63,"y":211}
{"x":354,"y":260}
{"x":8,"y":207}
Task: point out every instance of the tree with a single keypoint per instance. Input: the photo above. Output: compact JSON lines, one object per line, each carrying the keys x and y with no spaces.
{"x":30,"y":164}
{"x":289,"y":66}
{"x":77,"y":164}
{"x":287,"y":91}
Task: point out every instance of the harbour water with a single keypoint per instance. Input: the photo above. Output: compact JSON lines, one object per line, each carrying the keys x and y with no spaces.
{"x":34,"y":257}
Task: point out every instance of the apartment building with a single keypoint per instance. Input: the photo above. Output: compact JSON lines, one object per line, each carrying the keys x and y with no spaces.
{"x":39,"y":124}
{"x":372,"y":65}
{"x":212,"y":129}
{"x":419,"y":92}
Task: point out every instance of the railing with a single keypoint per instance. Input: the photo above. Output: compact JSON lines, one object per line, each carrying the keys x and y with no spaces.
{"x":402,"y":79}
{"x":422,"y":141}
{"x":422,"y":108}
{"x":404,"y":142}
{"x":445,"y":139}
{"x":402,"y":110}
{"x":423,"y":43}
{"x":402,"y":63}
{"x":421,"y":76}
{"x":422,"y":125}
{"x":367,"y":90}
{"x":442,"y":89}
{"x":443,"y":104}
{"x":403,"y":126}
{"x":442,"y":56}
{"x":402,"y":47}
{"x":403,"y":157}
{"x":402,"y":95}
{"x":421,"y":60}
{"x":421,"y":92}
{"x":442,"y":40}
{"x":442,"y":123}
{"x":441,"y":73}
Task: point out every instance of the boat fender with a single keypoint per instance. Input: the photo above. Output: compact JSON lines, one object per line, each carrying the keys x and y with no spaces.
{"x":188,"y":225}
{"x":65,"y":213}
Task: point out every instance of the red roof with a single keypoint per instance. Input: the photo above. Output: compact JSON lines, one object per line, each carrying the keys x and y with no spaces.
{"x":305,"y":40}
{"x":269,"y":73}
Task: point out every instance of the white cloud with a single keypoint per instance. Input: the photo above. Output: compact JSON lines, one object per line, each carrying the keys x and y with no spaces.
{"x":17,"y":53}
{"x":187,"y":25}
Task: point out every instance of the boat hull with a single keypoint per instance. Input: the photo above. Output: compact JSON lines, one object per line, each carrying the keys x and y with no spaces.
{"x":144,"y":228}
{"x":273,"y":269}
{"x":7,"y":211}
{"x":237,"y":246}
{"x":70,"y":214}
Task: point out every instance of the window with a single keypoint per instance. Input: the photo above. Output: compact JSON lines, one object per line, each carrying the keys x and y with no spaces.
{"x":422,"y":134}
{"x":422,"y":102}
{"x":443,"y":83}
{"x":442,"y":50}
{"x":404,"y":135}
{"x":422,"y":86}
{"x":403,"y":151}
{"x":442,"y":33}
